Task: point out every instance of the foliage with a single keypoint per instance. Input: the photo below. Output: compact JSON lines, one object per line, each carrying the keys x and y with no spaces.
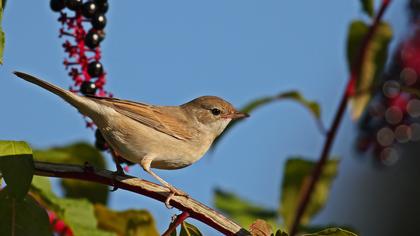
{"x":312,"y":106}
{"x":371,"y":65}
{"x":296,"y":175}
{"x":77,"y":153}
{"x":242,"y":211}
{"x":188,"y":229}
{"x":2,"y":35}
{"x":367,"y":6}
{"x":129,"y":222}
{"x":80,"y":215}
{"x":20,"y":214}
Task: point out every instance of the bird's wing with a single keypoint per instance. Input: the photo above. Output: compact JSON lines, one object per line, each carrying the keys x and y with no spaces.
{"x":162,"y":119}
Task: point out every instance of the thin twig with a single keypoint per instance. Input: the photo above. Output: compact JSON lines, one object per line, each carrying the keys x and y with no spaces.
{"x":177,"y":221}
{"x":194,"y":208}
{"x":307,"y":189}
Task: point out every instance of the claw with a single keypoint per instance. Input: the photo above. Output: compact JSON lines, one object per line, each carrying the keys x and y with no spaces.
{"x":173,"y":191}
{"x":168,"y":199}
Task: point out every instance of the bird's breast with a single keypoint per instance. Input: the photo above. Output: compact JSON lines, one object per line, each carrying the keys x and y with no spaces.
{"x":134,"y":141}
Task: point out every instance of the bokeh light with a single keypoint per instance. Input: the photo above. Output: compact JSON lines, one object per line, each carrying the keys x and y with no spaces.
{"x":385,"y":136}
{"x":389,"y":156}
{"x":408,"y":76}
{"x":413,"y":108}
{"x":393,"y":115}
{"x":391,"y":88}
{"x":403,"y":133}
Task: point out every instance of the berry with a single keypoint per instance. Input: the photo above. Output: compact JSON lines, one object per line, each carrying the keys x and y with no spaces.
{"x":74,"y":4}
{"x":89,"y":9}
{"x":88,"y":88}
{"x":95,"y":69}
{"x":102,"y":5}
{"x":57,"y":5}
{"x":99,"y":21}
{"x":100,"y":33}
{"x":100,"y":142}
{"x":92,"y":39}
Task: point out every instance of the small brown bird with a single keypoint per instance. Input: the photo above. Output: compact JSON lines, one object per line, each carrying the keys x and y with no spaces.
{"x":162,"y":137}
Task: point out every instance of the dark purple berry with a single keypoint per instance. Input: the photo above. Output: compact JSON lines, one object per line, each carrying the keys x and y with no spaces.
{"x":74,"y":4}
{"x":102,"y":5}
{"x":88,"y":88}
{"x":95,"y":69}
{"x":100,"y":142}
{"x":89,"y":9}
{"x":92,"y":39}
{"x":98,"y":21}
{"x":57,"y":5}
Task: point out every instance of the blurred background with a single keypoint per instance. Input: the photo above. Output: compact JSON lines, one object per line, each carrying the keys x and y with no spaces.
{"x":169,"y":52}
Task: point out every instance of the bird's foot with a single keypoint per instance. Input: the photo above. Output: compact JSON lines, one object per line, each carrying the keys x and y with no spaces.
{"x":173,"y":191}
{"x":119,"y":171}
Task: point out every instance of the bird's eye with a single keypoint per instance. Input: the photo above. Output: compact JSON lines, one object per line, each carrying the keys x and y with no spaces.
{"x":215,"y":111}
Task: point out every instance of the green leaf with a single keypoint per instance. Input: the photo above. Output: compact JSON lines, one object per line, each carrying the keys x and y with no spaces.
{"x":2,"y":36}
{"x":312,"y":106}
{"x":367,"y":6}
{"x":129,"y":222}
{"x":12,"y":148}
{"x":332,"y":232}
{"x":77,"y":153}
{"x":242,"y":211}
{"x":188,"y":229}
{"x":22,"y":217}
{"x":281,"y":233}
{"x":372,"y":64}
{"x":78,"y":214}
{"x":16,"y":166}
{"x":296,"y":172}
{"x":315,"y":228}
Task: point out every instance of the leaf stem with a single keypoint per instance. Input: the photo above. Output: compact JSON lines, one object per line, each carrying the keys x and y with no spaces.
{"x":178,"y":220}
{"x":308,"y":189}
{"x":194,"y":208}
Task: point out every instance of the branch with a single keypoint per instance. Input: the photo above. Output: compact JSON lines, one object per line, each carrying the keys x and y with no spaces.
{"x":177,"y":221}
{"x":195,"y":209}
{"x":307,"y":189}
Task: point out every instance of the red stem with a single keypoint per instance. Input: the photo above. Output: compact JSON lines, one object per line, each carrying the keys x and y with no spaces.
{"x":307,"y":189}
{"x":178,"y":220}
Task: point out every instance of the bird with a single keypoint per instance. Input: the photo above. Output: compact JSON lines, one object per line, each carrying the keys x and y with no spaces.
{"x":158,"y":137}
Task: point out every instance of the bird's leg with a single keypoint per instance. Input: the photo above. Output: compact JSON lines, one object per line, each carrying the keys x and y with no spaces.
{"x":145,"y":164}
{"x":119,"y":171}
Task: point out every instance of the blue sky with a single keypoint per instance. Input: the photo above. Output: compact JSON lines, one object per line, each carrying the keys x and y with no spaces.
{"x":169,"y":52}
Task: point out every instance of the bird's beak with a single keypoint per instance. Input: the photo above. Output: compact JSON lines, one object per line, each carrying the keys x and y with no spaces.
{"x":237,"y":115}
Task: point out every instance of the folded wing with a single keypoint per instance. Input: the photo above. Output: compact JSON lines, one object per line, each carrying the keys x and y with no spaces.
{"x":167,"y":120}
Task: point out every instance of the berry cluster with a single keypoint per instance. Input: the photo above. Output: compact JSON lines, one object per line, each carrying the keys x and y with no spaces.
{"x":83,"y":48}
{"x":393,"y":116}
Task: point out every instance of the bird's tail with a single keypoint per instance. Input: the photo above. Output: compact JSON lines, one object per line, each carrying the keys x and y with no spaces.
{"x":81,"y":103}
